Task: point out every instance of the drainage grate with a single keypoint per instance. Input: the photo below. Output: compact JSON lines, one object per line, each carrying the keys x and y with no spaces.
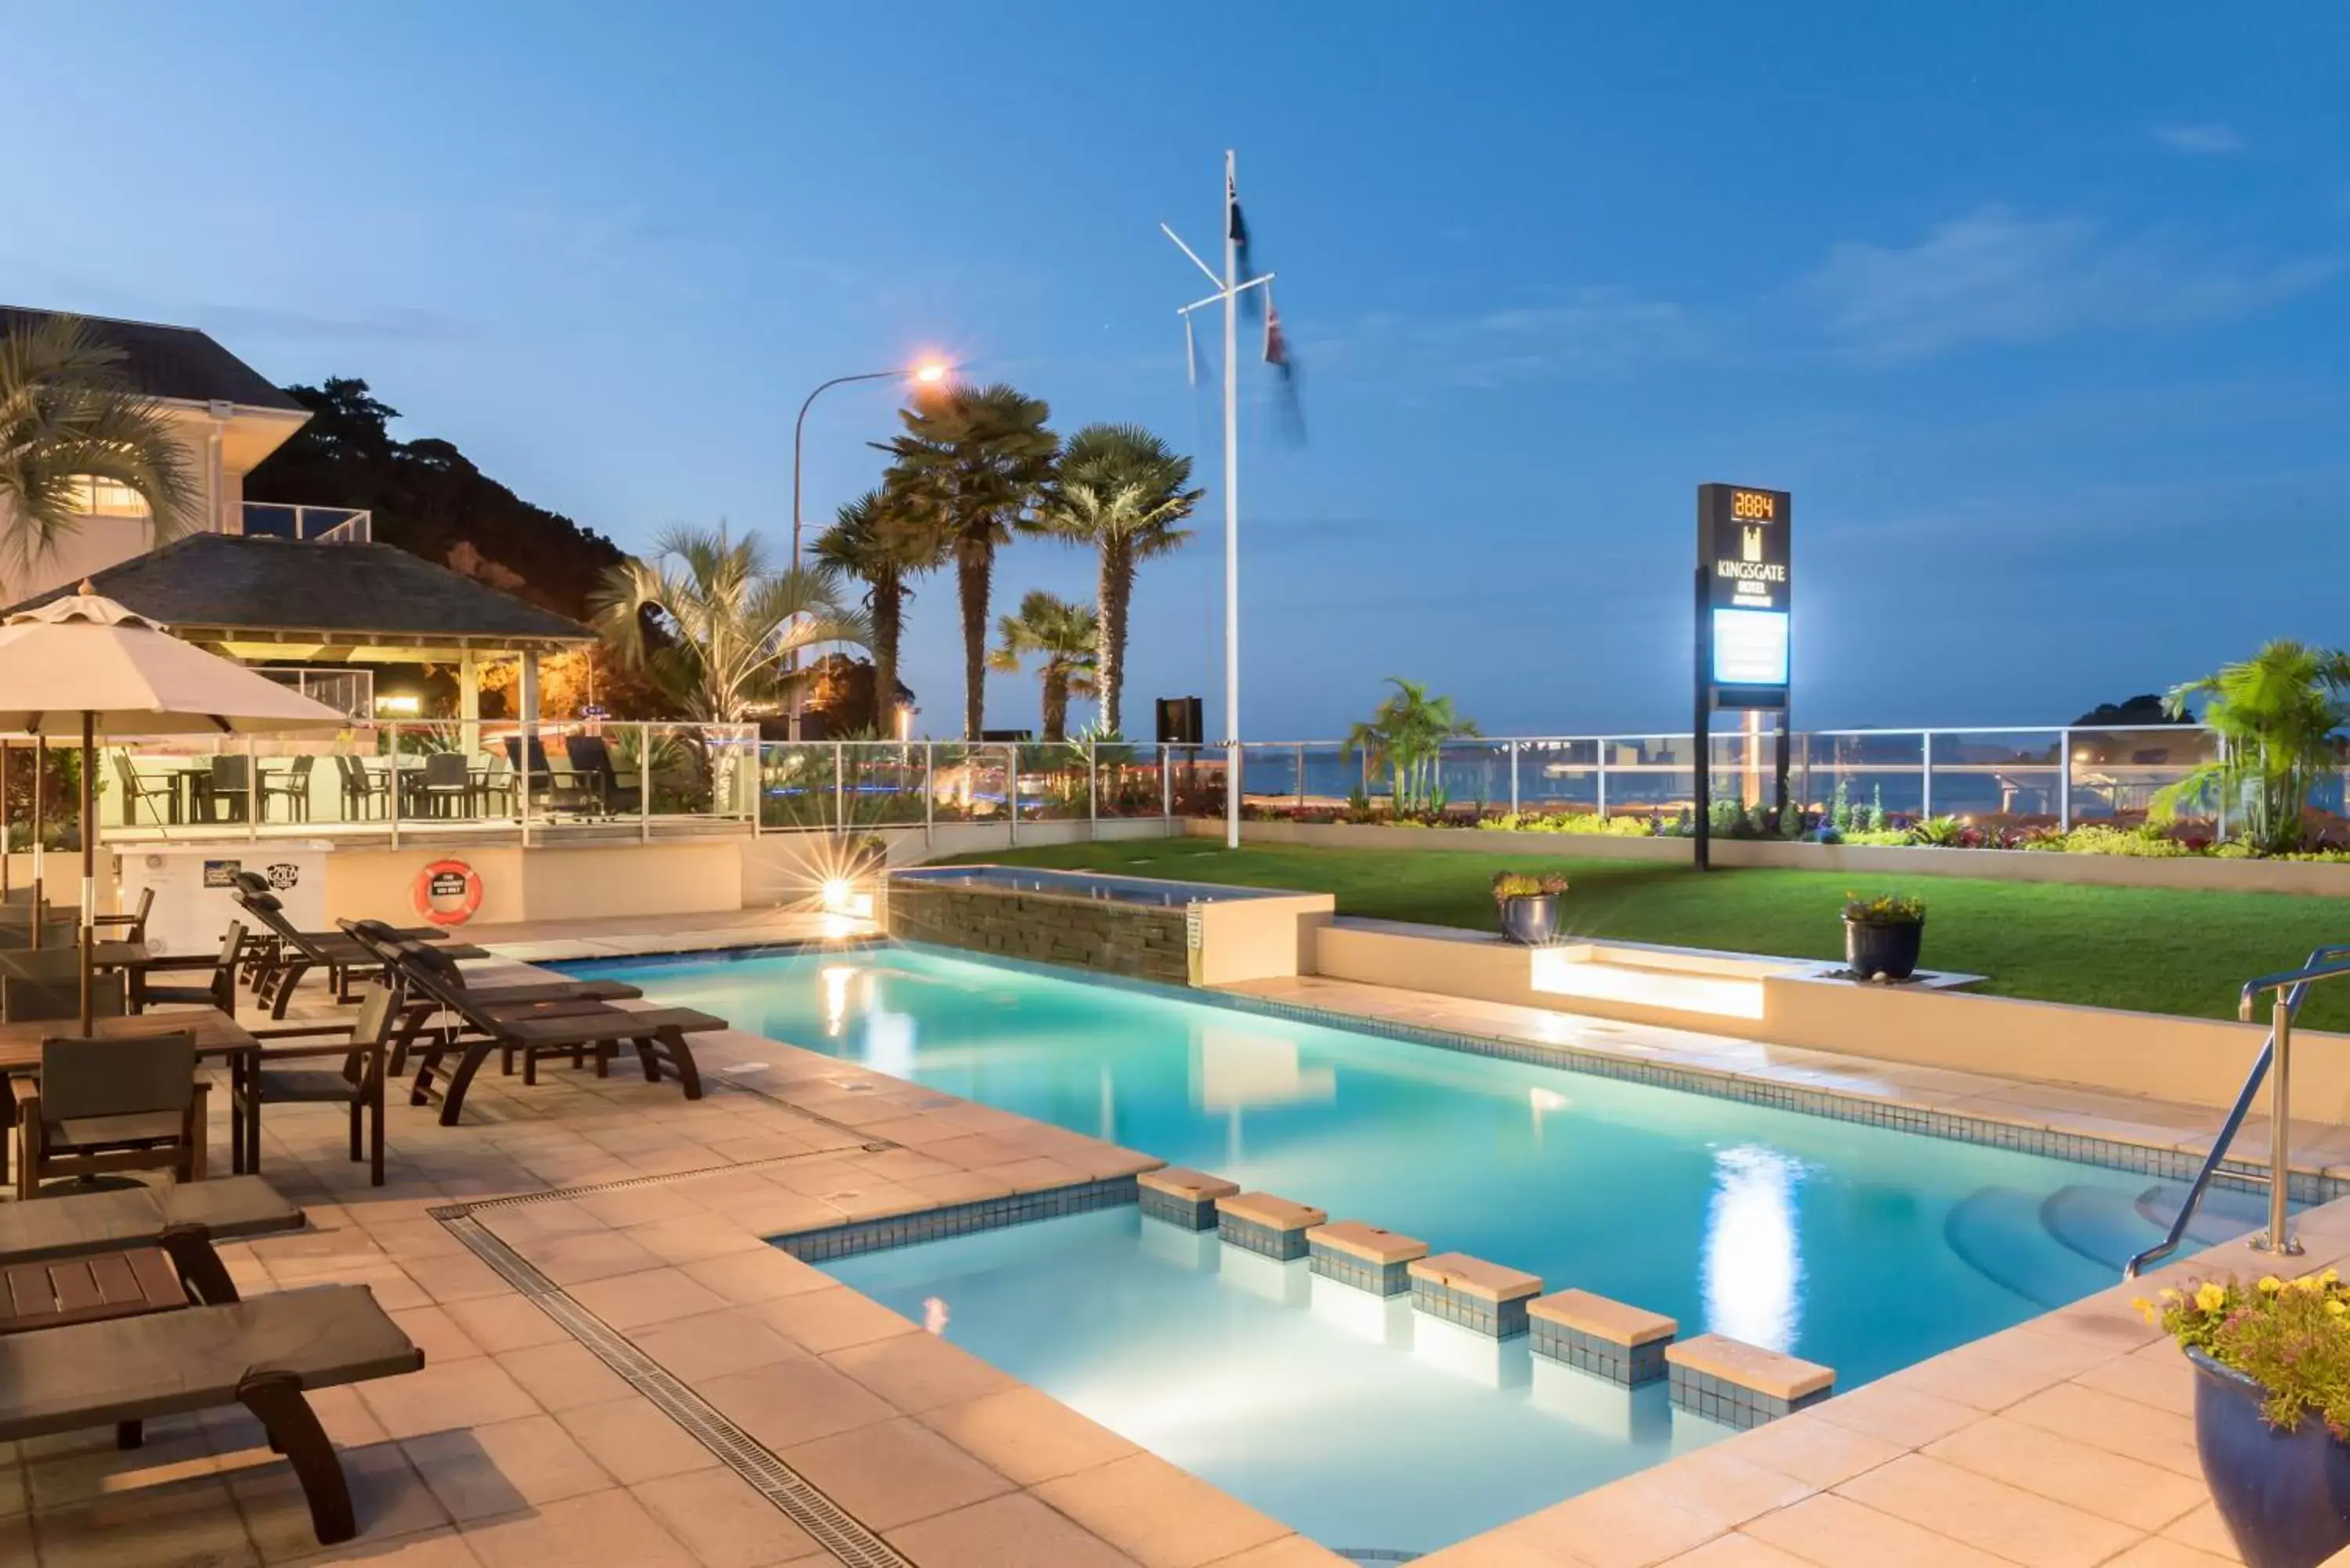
{"x":826,"y":1522}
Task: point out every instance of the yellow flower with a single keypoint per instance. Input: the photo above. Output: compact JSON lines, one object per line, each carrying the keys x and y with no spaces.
{"x":2330,"y":1277}
{"x":2335,"y":1308}
{"x":2270,"y":1284}
{"x":2147,"y":1310}
{"x":2168,"y":1294}
{"x":2211,"y":1297}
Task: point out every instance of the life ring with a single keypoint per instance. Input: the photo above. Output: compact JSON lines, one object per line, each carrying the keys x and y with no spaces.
{"x":448,"y":892}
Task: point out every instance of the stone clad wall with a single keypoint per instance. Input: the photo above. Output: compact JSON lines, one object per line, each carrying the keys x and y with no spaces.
{"x":1123,"y":939}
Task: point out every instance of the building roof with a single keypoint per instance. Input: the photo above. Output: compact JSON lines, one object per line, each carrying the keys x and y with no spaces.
{"x":177,"y":362}
{"x":220,"y":587}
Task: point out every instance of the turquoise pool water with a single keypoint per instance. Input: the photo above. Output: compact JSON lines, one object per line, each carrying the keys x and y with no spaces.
{"x":1859,"y":1247}
{"x":1345,"y":1417}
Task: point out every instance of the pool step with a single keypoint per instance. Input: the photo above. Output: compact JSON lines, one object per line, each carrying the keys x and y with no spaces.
{"x":1982,"y":1230}
{"x":2097,"y":1223}
{"x":2225,"y":1213}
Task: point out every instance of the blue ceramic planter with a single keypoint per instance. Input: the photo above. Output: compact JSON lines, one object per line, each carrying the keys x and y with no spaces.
{"x":2285,"y":1496}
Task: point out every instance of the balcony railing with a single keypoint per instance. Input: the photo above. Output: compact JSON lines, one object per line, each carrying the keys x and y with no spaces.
{"x":308,"y":525}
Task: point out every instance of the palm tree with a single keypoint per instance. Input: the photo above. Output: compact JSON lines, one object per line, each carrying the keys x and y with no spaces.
{"x":1065,"y":636}
{"x":1125,"y":492}
{"x":1406,"y":734}
{"x":970,"y":468}
{"x":2276,"y":714}
{"x":68,"y":415}
{"x":714,"y":623}
{"x":872,"y":543}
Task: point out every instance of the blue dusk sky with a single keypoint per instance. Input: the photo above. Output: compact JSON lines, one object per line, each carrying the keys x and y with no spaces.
{"x":2040,"y":310}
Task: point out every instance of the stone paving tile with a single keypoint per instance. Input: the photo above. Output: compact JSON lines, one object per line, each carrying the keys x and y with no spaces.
{"x":605,"y":1527}
{"x":921,"y":1372}
{"x":2006,"y":1520}
{"x":892,"y":1472}
{"x":635,"y":1440}
{"x":792,"y":1402}
{"x":1028,"y":1435}
{"x":2128,"y":1490}
{"x":563,"y":1375}
{"x":831,"y":1319}
{"x":1159,"y":1515}
{"x":725,"y":1523}
{"x":483,"y":1472}
{"x":1013,"y":1530}
{"x":1834,"y":1532}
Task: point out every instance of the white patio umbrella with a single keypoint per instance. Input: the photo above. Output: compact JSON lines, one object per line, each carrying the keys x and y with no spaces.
{"x":85,"y":660}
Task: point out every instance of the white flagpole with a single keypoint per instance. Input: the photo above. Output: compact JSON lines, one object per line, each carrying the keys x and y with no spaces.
{"x":1231,"y":515}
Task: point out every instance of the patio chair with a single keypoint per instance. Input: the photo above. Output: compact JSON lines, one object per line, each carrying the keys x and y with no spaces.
{"x":570,"y":1027}
{"x":229,"y":784}
{"x":356,"y":1083}
{"x":130,"y":925}
{"x":139,"y":790}
{"x":47,"y":999}
{"x":110,"y":1106}
{"x":592,"y":759}
{"x":183,"y":1218}
{"x":290,"y":785}
{"x":220,"y":990}
{"x":555,"y":789}
{"x":264,"y":1354}
{"x":418,"y":1004}
{"x":444,"y":787}
{"x":366,"y":793}
{"x":278,"y":961}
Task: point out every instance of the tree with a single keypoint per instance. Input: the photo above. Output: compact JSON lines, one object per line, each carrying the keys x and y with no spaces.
{"x":2144,"y":710}
{"x":872,"y":541}
{"x":1125,"y":492}
{"x":1065,"y":637}
{"x":2276,"y":714}
{"x":1406,"y":734}
{"x":714,"y":623}
{"x":68,"y":413}
{"x":968,"y":470}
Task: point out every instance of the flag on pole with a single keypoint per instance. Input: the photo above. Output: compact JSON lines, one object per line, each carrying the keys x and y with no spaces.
{"x":1276,"y":342}
{"x":1236,"y":229}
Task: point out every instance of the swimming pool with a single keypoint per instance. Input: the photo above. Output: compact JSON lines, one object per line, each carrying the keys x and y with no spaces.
{"x":1856,"y":1246}
{"x":1364,"y":1426}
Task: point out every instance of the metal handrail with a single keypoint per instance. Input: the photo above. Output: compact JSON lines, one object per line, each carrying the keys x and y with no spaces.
{"x":2291,"y":986}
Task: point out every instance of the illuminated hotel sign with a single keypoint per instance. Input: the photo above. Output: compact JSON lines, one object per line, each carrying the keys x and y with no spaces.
{"x":1743,"y":597}
{"x":1745,"y":588}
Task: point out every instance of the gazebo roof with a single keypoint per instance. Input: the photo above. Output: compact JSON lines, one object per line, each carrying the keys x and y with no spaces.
{"x":225,"y":588}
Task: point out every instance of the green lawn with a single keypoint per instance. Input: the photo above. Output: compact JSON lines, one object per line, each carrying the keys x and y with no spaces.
{"x":2154,"y":951}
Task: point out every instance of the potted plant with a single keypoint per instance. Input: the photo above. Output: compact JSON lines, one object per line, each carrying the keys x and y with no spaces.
{"x":2272,"y":1410}
{"x":1529,"y":905}
{"x":1882,"y":935}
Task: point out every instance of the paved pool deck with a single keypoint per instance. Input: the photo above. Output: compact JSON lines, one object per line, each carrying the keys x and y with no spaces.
{"x":620,"y":1369}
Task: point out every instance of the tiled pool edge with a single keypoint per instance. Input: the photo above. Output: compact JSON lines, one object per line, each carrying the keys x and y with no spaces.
{"x":860,"y":1236}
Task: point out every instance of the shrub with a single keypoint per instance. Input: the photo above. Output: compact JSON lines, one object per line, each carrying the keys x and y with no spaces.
{"x":2290,"y":1336}
{"x":1885,"y":838}
{"x":1581,"y":822}
{"x":2100,"y":840}
{"x":1884,"y":909}
{"x":1509,"y":884}
{"x":1940,"y":833}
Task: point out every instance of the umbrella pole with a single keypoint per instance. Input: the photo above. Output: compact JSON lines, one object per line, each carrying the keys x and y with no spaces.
{"x":88,"y":869}
{"x":8,"y":827}
{"x":40,"y":782}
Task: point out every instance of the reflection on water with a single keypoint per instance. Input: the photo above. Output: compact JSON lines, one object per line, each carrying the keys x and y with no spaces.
{"x":835,"y":997}
{"x":1231,"y":1068}
{"x":1753,"y":1255}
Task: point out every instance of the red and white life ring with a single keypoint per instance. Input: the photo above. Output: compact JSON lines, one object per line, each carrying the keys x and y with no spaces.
{"x":448,"y":892}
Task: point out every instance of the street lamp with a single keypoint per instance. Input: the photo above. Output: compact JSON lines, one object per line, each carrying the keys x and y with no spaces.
{"x":928,"y":373}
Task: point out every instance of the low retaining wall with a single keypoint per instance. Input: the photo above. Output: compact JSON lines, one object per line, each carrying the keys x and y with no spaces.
{"x":2186,"y":873}
{"x":2198,"y":1061}
{"x":1143,"y":941}
{"x":787,"y":867}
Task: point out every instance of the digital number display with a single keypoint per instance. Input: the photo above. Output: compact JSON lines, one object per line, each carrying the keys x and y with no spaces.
{"x":1754,"y":506}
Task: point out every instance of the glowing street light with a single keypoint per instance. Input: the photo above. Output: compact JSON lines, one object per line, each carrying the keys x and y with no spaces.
{"x":928,"y":373}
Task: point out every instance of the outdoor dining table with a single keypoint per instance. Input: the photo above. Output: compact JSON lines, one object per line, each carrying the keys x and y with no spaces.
{"x":219,"y":1038}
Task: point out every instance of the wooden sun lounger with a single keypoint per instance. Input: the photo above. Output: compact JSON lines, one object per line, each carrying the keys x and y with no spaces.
{"x":264,"y":1354}
{"x":183,"y":1218}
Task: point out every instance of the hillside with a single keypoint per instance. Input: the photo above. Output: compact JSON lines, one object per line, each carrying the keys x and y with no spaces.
{"x":429,"y":500}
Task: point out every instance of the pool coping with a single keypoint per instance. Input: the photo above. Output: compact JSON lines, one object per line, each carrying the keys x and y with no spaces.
{"x":1863,"y":1456}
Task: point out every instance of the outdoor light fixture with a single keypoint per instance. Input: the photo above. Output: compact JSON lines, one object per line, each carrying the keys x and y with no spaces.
{"x":839,"y":893}
{"x":401,"y":706}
